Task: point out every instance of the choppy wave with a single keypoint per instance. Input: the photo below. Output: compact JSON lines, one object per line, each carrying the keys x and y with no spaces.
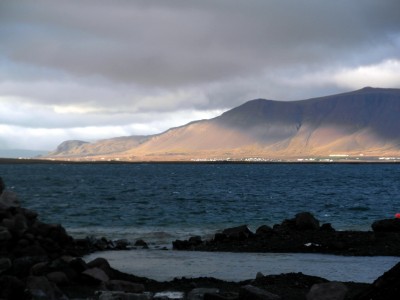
{"x":161,"y":202}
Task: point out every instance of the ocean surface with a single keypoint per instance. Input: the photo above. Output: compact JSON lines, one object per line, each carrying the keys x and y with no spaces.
{"x":166,"y":265}
{"x":163,"y":202}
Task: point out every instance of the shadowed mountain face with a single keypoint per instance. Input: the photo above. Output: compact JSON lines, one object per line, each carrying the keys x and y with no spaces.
{"x":365,"y":121}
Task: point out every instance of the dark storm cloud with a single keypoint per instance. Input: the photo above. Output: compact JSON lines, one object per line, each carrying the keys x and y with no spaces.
{"x":174,"y":43}
{"x":71,"y":68}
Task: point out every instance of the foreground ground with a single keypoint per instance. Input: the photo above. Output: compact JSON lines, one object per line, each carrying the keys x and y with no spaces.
{"x":41,"y":261}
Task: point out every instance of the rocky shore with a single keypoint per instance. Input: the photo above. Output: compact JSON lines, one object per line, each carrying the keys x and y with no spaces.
{"x":41,"y":261}
{"x":303,"y":234}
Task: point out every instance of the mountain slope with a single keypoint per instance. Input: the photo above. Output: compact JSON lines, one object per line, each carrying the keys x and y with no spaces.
{"x":364,"y":121}
{"x":76,"y":148}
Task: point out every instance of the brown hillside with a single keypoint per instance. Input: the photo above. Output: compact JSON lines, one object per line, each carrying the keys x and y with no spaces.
{"x":364,"y":121}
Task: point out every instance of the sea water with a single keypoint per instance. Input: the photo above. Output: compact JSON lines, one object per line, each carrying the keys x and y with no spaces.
{"x":167,"y":265}
{"x":163,"y":202}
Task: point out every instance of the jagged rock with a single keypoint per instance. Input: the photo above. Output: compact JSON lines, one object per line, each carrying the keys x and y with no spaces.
{"x":59,"y":234}
{"x":8,"y":199}
{"x":59,"y":278}
{"x":195,"y":240}
{"x":102,"y":264}
{"x":238,"y":233}
{"x":259,"y":275}
{"x":122,"y":244}
{"x":306,"y":221}
{"x":5,"y":213}
{"x":29,"y":214}
{"x":78,"y":264}
{"x":125,"y":286}
{"x":5,"y":234}
{"x":263,"y":230}
{"x":327,"y":227}
{"x":286,"y":225}
{"x":386,"y":225}
{"x":198,"y":293}
{"x":41,"y":229}
{"x":187,"y":244}
{"x":12,"y":288}
{"x":221,"y":296}
{"x":250,"y":292}
{"x":5,"y":264}
{"x":220,"y":237}
{"x":41,"y":288}
{"x":110,"y":295}
{"x":2,"y":185}
{"x":22,"y":265}
{"x":141,"y":243}
{"x":40,"y":269}
{"x":32,"y":251}
{"x":102,"y":244}
{"x":22,"y":243}
{"x":181,"y":245}
{"x":385,"y":287}
{"x":99,"y":262}
{"x":95,"y":275}
{"x":51,"y":246}
{"x":17,"y":225}
{"x":327,"y":291}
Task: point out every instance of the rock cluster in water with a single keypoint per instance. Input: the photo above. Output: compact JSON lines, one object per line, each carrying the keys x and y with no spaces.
{"x":303,"y":234}
{"x":41,"y":261}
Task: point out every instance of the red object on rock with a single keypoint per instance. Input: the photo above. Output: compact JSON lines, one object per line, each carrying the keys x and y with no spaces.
{"x":397,"y":216}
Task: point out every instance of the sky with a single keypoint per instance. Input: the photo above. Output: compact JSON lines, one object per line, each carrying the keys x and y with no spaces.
{"x":94,"y":69}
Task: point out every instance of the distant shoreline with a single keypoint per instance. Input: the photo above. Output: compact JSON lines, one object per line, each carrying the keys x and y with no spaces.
{"x":47,"y":161}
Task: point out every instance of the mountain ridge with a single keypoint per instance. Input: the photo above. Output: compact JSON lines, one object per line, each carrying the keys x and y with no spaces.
{"x":362,"y":121}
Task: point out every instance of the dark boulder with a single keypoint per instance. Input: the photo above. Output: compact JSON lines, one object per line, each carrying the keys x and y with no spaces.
{"x":302,"y":221}
{"x":31,"y":251}
{"x":250,"y":292}
{"x":41,"y":288}
{"x":9,"y":199}
{"x":220,"y":237}
{"x":189,"y":244}
{"x":121,"y":244}
{"x":5,"y":264}
{"x":102,"y":264}
{"x":78,"y":265}
{"x":264,"y":230}
{"x":306,"y":221}
{"x":58,"y":277}
{"x":199,"y":293}
{"x":22,"y":265}
{"x":2,"y":185}
{"x":12,"y":288}
{"x":125,"y":286}
{"x":327,"y":227}
{"x":181,"y":245}
{"x":195,"y":240}
{"x":286,"y":225}
{"x":5,"y":234}
{"x":59,"y":234}
{"x":221,"y":296}
{"x":238,"y":233}
{"x":141,"y":243}
{"x":385,"y":287}
{"x":327,"y":291}
{"x":95,"y":276}
{"x":16,"y":224}
{"x":386,"y":225}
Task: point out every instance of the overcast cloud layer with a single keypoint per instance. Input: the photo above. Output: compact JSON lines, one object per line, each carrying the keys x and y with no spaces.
{"x":90,"y":69}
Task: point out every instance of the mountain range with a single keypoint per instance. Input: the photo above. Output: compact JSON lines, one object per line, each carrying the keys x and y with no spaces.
{"x":363,"y":122}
